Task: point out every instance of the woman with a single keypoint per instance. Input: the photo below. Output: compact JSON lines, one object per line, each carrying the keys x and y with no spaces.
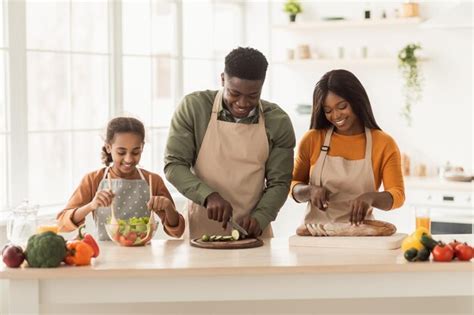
{"x":345,"y":157}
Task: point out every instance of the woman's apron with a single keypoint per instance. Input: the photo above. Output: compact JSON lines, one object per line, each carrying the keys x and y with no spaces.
{"x":231,"y":161}
{"x":131,"y":198}
{"x":345,"y":180}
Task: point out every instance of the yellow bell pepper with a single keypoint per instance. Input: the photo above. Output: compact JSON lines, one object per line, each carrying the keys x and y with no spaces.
{"x":411,"y":242}
{"x":420,"y":231}
{"x":44,"y":228}
{"x":414,"y":240}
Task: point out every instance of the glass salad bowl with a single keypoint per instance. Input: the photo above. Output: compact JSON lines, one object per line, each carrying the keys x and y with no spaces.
{"x":131,"y":232}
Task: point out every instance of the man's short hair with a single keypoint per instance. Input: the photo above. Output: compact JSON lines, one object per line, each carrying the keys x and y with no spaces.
{"x":246,"y":63}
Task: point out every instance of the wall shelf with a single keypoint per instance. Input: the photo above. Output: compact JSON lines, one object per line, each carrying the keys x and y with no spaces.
{"x":325,"y":61}
{"x":371,"y":23}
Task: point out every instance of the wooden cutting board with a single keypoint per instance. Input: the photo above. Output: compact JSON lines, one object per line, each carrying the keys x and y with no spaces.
{"x":245,"y":243}
{"x":374,"y":242}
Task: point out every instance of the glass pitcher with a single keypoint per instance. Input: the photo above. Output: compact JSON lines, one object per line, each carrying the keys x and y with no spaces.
{"x":22,"y":223}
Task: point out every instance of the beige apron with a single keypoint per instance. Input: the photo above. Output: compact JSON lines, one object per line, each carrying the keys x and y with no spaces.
{"x":232,"y":162}
{"x":345,"y":179}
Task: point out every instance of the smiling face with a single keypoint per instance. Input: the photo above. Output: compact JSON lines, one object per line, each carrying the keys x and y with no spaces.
{"x":241,"y":96}
{"x":126,"y":149}
{"x":339,"y":112}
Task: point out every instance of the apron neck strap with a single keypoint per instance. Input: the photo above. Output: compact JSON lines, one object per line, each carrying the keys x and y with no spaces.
{"x":368,"y":144}
{"x":107,"y":169}
{"x":106,"y":172}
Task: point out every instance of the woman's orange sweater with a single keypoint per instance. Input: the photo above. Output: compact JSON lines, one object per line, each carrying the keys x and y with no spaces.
{"x":386,"y":161}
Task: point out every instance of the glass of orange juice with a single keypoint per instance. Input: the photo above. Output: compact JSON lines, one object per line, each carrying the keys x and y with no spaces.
{"x":423,"y":218}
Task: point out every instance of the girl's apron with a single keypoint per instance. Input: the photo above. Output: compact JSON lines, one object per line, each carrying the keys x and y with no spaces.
{"x":131,"y":197}
{"x":232,"y":162}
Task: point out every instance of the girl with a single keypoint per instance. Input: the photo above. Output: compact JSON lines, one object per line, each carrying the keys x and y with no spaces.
{"x":123,"y":147}
{"x":345,"y":157}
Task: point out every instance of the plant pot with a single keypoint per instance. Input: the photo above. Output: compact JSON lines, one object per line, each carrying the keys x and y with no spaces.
{"x":292,"y":17}
{"x":410,"y":9}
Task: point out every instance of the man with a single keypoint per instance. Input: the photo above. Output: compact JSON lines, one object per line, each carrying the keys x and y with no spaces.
{"x":230,"y":152}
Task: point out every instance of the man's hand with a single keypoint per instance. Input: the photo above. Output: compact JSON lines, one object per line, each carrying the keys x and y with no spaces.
{"x":218,"y":209}
{"x":250,"y":225}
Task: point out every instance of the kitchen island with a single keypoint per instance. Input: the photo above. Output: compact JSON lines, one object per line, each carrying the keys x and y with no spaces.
{"x":170,"y":274}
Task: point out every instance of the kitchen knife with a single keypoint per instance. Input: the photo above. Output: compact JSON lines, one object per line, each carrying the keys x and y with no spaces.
{"x":238,"y":227}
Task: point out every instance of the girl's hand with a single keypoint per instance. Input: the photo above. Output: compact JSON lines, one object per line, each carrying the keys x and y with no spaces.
{"x":319,"y":197}
{"x":359,"y":208}
{"x":160,"y":203}
{"x":102,"y":198}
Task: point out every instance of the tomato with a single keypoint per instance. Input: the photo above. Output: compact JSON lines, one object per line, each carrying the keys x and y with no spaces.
{"x":443,"y":252}
{"x":463,"y":252}
{"x":123,"y":241}
{"x":132,"y":236}
{"x":453,"y":245}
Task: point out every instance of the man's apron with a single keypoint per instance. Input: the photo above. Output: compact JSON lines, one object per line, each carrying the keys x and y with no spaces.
{"x":231,"y":161}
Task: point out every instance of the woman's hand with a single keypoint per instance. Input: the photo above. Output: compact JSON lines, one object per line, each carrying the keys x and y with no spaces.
{"x":319,"y":197}
{"x":359,"y":208}
{"x":102,"y":198}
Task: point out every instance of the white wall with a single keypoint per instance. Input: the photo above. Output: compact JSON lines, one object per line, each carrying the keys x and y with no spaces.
{"x":442,"y":121}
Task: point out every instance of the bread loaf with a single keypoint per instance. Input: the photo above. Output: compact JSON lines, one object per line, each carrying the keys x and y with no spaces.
{"x":366,"y":228}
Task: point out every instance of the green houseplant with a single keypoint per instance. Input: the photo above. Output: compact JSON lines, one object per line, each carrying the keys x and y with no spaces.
{"x":292,"y":7}
{"x":408,"y":63}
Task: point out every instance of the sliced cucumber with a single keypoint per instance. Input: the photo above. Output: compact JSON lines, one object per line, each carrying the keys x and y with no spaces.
{"x":212,"y":238}
{"x":235,"y":235}
{"x":138,"y":240}
{"x":205,"y":238}
{"x":219,"y":238}
{"x":227,"y":238}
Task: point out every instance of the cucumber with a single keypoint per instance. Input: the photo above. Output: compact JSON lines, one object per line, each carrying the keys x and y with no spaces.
{"x":205,"y":238}
{"x":212,"y":238}
{"x":235,"y":235}
{"x":227,"y":238}
{"x":428,"y":242}
{"x":423,"y":254}
{"x":138,"y":240}
{"x":410,"y":254}
{"x":218,"y":238}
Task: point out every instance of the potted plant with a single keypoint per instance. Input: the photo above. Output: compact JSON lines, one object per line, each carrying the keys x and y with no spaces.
{"x":292,"y":7}
{"x":408,"y":63}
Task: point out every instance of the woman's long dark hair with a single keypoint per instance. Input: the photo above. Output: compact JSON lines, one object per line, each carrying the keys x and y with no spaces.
{"x":346,"y":85}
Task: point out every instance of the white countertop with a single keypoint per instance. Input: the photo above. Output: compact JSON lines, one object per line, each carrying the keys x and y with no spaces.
{"x":436,"y":183}
{"x":165,"y":258}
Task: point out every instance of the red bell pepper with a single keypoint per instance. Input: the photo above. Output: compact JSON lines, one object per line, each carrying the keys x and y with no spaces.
{"x":89,"y":239}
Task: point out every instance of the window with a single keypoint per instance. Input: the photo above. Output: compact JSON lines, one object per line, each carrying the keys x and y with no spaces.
{"x":87,"y":61}
{"x":4,"y":128}
{"x":68,"y":93}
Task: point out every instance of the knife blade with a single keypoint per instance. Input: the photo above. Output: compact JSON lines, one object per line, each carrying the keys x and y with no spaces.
{"x":238,"y":227}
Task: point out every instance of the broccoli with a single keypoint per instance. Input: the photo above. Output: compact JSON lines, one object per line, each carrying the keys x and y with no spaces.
{"x":45,"y":250}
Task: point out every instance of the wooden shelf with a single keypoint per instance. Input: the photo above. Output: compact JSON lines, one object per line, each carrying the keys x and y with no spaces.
{"x":322,"y":61}
{"x":374,"y":23}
